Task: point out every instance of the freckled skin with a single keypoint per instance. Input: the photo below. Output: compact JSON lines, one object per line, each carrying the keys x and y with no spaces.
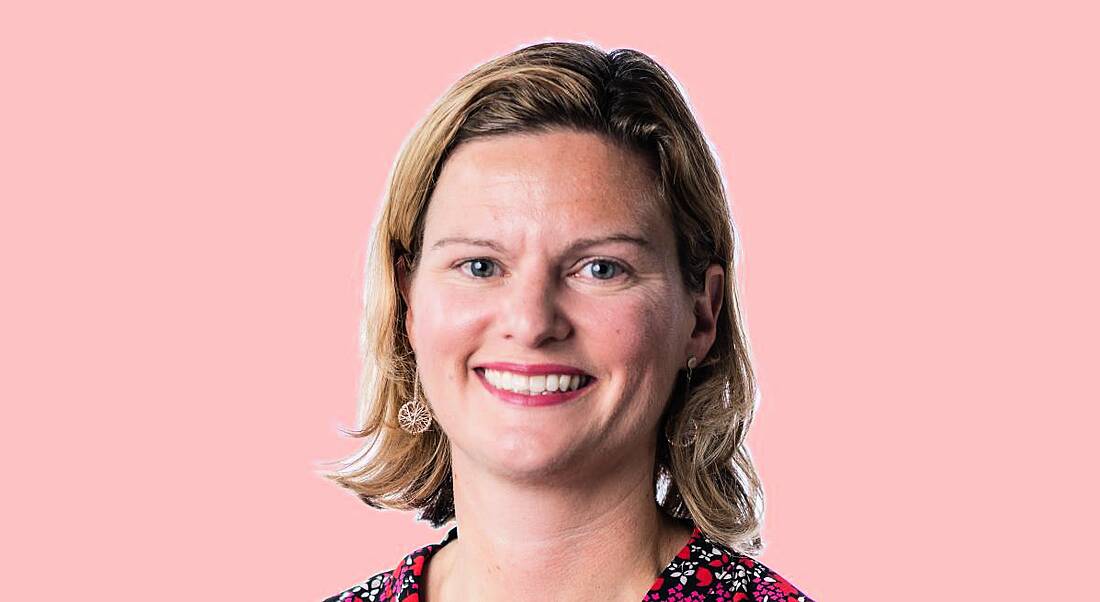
{"x":535,"y":194}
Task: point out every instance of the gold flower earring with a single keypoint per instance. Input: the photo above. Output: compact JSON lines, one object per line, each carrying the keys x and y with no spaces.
{"x":414,"y":415}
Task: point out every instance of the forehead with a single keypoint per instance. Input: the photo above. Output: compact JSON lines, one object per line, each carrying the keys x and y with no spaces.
{"x":577,"y":178}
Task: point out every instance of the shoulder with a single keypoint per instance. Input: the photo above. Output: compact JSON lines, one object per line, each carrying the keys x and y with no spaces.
{"x":394,"y":585}
{"x":734,"y":576}
{"x":762,"y":583}
{"x":371,"y":588}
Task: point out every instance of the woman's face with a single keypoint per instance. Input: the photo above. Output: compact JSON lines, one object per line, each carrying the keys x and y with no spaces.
{"x":550,"y":248}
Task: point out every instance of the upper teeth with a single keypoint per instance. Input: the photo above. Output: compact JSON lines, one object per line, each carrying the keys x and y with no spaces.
{"x":534,"y":385}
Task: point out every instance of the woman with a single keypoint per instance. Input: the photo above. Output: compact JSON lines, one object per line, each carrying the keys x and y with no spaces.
{"x":555,"y":355}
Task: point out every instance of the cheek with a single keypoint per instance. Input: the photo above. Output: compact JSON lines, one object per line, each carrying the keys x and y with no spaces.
{"x":451,"y":323}
{"x":635,"y":328}
{"x":636,"y":338}
{"x":448,"y":331}
{"x":447,"y":323}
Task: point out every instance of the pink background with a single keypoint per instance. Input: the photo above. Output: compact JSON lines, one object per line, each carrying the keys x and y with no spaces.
{"x":188,"y":188}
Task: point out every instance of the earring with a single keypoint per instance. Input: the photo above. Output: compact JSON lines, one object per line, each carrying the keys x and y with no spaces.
{"x":691,"y":364}
{"x":414,"y":416}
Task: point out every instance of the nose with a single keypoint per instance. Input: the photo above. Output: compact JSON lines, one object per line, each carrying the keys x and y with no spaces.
{"x":531,"y":310}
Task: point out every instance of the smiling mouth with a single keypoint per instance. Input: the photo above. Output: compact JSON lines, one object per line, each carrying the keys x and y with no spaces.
{"x":540,"y":385}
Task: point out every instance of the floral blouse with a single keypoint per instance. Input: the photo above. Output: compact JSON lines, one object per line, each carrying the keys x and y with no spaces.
{"x":703,"y":571}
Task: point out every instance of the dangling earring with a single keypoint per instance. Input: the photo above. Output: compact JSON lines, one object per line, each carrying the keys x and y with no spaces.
{"x":691,"y":364}
{"x":414,"y":416}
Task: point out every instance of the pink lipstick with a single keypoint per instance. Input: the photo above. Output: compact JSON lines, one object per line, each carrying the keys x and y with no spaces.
{"x":545,"y":398}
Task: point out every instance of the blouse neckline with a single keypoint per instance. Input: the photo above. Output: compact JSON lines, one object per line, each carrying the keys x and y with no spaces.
{"x":675,"y":572}
{"x":703,"y":569}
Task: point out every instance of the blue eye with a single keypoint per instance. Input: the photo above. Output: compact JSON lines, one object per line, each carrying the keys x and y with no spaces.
{"x":479,"y":268}
{"x":609,"y":270}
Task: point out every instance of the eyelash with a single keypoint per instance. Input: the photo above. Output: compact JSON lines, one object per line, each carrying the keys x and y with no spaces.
{"x":622,"y":269}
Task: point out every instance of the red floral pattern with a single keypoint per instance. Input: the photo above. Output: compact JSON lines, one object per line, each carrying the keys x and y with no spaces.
{"x":703,"y":571}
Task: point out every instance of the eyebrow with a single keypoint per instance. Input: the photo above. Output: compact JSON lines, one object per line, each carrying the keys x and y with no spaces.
{"x":580,"y":243}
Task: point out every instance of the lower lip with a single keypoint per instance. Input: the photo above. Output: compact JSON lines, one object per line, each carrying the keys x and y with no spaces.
{"x":543,"y":399}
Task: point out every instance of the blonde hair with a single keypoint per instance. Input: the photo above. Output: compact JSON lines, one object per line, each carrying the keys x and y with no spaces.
{"x":708,"y":475}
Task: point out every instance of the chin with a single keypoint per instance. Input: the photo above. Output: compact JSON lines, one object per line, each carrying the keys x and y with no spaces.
{"x":523,"y":456}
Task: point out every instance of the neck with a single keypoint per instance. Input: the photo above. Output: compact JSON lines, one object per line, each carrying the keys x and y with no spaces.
{"x":553,"y":538}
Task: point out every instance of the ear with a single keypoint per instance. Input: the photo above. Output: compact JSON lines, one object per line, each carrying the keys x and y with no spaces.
{"x":707,"y":307}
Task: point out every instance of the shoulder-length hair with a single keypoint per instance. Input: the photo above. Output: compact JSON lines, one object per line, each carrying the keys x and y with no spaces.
{"x":704,"y":471}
